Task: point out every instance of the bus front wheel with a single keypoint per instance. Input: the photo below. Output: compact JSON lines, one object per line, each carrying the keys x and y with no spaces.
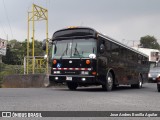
{"x":109,"y":82}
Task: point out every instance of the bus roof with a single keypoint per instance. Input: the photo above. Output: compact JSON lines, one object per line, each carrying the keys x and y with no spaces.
{"x":75,"y":32}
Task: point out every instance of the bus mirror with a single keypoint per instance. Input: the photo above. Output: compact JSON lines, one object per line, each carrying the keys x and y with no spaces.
{"x":44,"y":44}
{"x":92,"y":56}
{"x":102,"y":48}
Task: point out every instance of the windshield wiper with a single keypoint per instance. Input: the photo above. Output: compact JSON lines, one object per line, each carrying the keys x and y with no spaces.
{"x":64,"y":51}
{"x":76,"y":52}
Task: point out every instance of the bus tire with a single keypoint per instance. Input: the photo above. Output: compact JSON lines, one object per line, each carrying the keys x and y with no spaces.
{"x":158,"y":87}
{"x":109,"y":82}
{"x":139,"y":85}
{"x":72,"y":85}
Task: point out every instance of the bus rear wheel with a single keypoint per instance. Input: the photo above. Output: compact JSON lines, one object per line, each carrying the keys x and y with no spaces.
{"x":139,"y":85}
{"x":72,"y":85}
{"x":109,"y":82}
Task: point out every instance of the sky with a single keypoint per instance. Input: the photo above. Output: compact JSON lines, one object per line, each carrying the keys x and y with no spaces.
{"x":124,"y":20}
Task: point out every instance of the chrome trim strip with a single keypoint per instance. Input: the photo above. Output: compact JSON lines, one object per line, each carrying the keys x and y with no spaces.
{"x":70,"y":76}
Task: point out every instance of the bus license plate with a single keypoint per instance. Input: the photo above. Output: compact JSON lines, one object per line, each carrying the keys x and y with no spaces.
{"x":69,"y":78}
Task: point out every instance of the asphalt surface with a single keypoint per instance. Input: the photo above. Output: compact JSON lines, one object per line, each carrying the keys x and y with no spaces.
{"x":83,"y":99}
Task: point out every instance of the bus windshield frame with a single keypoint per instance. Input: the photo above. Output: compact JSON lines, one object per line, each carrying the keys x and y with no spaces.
{"x":74,"y":48}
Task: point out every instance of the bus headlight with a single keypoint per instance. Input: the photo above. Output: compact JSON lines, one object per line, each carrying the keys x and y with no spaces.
{"x":84,"y":72}
{"x":83,"y":79}
{"x":149,"y":75}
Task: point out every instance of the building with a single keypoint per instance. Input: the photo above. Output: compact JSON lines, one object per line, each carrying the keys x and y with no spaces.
{"x":3,"y":48}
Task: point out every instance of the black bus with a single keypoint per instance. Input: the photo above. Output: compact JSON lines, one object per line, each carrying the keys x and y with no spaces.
{"x":82,"y":56}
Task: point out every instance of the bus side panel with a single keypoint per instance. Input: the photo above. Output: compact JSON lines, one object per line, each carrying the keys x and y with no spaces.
{"x":109,"y":60}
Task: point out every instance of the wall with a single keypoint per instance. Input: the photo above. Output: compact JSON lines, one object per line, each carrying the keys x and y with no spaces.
{"x":25,"y":81}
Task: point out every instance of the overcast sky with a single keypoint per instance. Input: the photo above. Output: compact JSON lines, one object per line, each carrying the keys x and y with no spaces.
{"x":123,"y":20}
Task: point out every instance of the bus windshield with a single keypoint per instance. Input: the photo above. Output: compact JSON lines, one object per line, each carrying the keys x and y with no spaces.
{"x":74,"y":48}
{"x":152,"y":64}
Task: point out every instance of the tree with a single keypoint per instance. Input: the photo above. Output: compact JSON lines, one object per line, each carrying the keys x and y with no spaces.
{"x":149,"y":42}
{"x":11,"y":57}
{"x":13,"y":54}
{"x":37,"y":48}
{"x":16,"y":51}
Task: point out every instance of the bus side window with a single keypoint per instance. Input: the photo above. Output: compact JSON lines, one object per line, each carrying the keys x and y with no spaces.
{"x":123,"y":52}
{"x":108,"y":46}
{"x":139,"y":59}
{"x":130,"y":55}
{"x":115,"y":49}
{"x":135,"y":57}
{"x":144,"y":61}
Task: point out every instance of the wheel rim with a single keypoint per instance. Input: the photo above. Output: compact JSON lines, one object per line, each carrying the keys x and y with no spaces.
{"x":140,"y":83}
{"x":109,"y":81}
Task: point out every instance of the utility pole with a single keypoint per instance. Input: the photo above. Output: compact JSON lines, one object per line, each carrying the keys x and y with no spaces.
{"x":37,"y":14}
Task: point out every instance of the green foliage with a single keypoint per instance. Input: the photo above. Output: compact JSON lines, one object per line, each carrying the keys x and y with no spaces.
{"x":4,"y":72}
{"x":9,"y":70}
{"x":38,"y":48}
{"x":149,"y":42}
{"x":2,"y":66}
{"x":16,"y":51}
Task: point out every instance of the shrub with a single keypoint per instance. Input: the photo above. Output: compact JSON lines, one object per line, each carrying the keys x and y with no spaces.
{"x":6,"y":70}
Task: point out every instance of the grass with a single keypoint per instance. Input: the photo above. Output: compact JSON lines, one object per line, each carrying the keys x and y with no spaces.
{"x":9,"y":70}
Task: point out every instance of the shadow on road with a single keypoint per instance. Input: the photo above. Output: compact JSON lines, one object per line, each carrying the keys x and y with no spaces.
{"x":99,"y":89}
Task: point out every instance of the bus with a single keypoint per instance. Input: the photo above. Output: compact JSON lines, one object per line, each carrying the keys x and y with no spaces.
{"x":154,"y":55}
{"x":81,"y":56}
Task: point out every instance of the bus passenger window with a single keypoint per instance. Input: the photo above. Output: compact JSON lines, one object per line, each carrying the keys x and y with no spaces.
{"x":108,"y":46}
{"x":139,"y":59}
{"x":115,"y":50}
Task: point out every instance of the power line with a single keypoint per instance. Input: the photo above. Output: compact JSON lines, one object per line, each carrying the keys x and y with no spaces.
{"x":3,"y":29}
{"x":7,"y":18}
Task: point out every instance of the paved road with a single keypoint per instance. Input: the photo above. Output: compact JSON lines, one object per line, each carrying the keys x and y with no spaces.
{"x":84,"y":99}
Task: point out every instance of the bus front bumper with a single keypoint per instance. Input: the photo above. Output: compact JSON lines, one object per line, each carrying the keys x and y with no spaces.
{"x":72,"y":78}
